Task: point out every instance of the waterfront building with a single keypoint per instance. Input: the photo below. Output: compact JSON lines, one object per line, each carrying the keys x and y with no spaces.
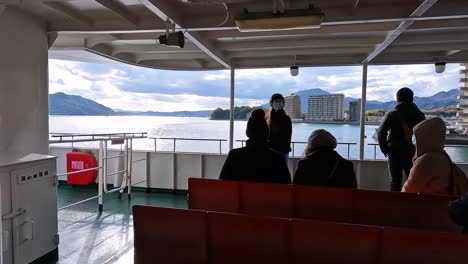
{"x":325,"y":107}
{"x":355,"y":110}
{"x":463,"y":98}
{"x":292,"y":106}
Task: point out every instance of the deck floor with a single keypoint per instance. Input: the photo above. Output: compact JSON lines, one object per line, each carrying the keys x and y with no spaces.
{"x":89,"y":237}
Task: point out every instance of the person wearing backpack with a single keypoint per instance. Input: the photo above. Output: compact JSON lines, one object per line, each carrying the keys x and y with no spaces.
{"x":322,"y":165}
{"x":458,"y":211}
{"x":433,"y":171}
{"x":395,"y":136}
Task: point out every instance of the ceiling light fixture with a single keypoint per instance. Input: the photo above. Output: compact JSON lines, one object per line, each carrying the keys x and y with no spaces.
{"x":290,"y":19}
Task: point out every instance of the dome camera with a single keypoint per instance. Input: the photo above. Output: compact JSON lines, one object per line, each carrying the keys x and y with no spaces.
{"x":439,"y":67}
{"x":294,"y":70}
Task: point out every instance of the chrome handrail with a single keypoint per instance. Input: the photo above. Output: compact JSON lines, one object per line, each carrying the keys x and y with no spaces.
{"x":71,"y":138}
{"x":188,"y":139}
{"x":124,"y":138}
{"x":447,"y":146}
{"x":293,"y":145}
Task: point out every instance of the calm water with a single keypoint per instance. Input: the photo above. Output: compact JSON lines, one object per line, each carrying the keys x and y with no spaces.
{"x":194,"y":127}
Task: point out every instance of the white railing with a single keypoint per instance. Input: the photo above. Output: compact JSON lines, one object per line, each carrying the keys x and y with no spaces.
{"x":122,"y":139}
{"x":293,"y":146}
{"x":446,"y":146}
{"x":174,"y":140}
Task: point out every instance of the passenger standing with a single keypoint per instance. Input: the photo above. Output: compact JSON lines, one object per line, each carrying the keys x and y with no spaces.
{"x":256,"y":162}
{"x":280,"y":126}
{"x":322,"y":165}
{"x":433,"y":171}
{"x":395,"y":136}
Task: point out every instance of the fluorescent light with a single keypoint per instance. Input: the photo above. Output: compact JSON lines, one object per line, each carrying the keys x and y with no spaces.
{"x":291,"y":19}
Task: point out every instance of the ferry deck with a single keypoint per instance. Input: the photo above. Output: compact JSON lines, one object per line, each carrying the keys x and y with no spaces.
{"x":95,"y":224}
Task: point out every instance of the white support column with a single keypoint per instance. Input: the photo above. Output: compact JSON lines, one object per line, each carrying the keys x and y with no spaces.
{"x":2,"y":8}
{"x":363,"y":112}
{"x":100,"y":176}
{"x":24,"y":94}
{"x":231,"y":111}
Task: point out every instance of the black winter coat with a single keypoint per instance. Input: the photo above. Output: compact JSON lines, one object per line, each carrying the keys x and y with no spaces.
{"x":391,"y":135}
{"x":255,"y":163}
{"x":325,"y":167}
{"x":280,"y":133}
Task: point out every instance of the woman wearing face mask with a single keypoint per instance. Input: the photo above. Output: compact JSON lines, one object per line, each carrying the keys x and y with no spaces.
{"x":280,"y":126}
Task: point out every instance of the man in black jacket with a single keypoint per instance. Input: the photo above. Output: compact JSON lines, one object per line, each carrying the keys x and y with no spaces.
{"x":395,"y":136}
{"x":256,"y":162}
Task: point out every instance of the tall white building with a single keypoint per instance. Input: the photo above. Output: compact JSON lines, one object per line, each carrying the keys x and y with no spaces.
{"x":463,"y":98}
{"x":355,"y":110}
{"x":292,"y":106}
{"x":325,"y":107}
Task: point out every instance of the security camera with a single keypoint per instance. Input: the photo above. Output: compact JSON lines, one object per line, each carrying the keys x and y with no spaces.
{"x":294,"y":70}
{"x":440,"y":67}
{"x":175,"y":39}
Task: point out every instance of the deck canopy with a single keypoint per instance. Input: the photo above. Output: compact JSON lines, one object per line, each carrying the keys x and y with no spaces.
{"x":352,"y":32}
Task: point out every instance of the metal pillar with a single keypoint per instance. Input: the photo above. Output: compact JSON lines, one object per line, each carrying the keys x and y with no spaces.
{"x":231,"y":112}
{"x":363,"y":112}
{"x":101,"y":175}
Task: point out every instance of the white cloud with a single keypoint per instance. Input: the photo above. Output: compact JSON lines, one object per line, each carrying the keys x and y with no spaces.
{"x":105,"y":88}
{"x":169,"y":103}
{"x":216,"y":76}
{"x":138,"y":89}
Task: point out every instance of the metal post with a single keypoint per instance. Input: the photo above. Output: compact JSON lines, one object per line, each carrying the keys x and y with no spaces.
{"x":375,"y":152}
{"x":231,"y":112}
{"x":129,"y":171}
{"x":348,"y":149}
{"x":174,"y":144}
{"x":148,"y":168}
{"x":220,"y":148}
{"x":363,"y":111}
{"x":155,"y":144}
{"x":293,"y":149}
{"x":101,"y":175}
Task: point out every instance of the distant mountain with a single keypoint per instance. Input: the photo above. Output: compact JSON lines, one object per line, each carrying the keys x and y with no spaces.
{"x":64,"y":104}
{"x":438,"y":100}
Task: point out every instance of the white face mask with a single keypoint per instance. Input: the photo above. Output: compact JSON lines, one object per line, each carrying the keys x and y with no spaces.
{"x":277,"y":106}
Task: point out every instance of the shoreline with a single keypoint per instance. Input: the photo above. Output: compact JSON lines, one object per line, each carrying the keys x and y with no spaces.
{"x":315,"y":122}
{"x":207,"y":117}
{"x":334,"y":122}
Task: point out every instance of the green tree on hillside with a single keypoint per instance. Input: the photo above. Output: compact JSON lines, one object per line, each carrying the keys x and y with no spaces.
{"x":239,"y":113}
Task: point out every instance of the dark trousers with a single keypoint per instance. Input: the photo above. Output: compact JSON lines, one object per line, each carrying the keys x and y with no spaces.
{"x":397,"y":165}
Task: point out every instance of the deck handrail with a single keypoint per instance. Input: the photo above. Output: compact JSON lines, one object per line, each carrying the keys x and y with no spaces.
{"x":447,"y":146}
{"x":293,"y":143}
{"x":188,"y":139}
{"x":92,"y":137}
{"x":125,"y":139}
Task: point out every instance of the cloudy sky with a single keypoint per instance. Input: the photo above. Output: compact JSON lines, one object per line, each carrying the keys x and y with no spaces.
{"x":133,"y":88}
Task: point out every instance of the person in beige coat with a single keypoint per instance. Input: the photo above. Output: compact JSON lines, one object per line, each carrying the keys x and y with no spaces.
{"x":432,"y":172}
